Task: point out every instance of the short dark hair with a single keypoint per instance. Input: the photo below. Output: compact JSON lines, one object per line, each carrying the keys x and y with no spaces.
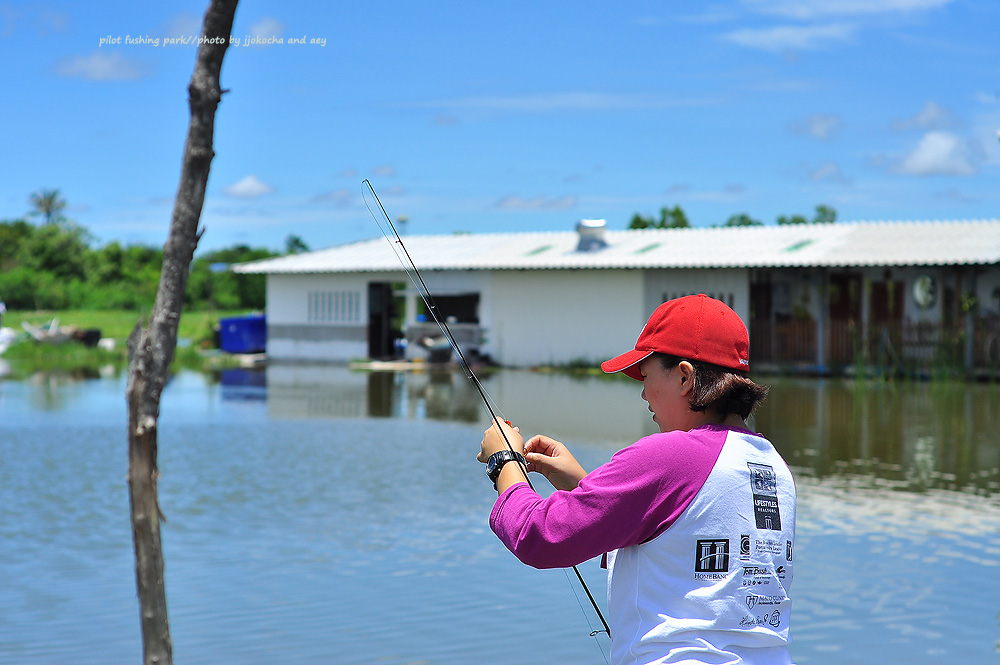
{"x":723,"y":390}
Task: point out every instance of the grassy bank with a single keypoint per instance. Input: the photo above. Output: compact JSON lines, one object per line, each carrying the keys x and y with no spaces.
{"x":195,"y":340}
{"x":195,"y":326}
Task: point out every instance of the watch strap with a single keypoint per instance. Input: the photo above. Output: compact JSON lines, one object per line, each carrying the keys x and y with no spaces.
{"x":497,"y":461}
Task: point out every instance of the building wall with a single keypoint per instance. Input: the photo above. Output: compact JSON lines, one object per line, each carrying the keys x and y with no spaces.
{"x":320,"y":316}
{"x":988,"y":291}
{"x":731,"y":285}
{"x":541,"y":317}
{"x":553,"y":317}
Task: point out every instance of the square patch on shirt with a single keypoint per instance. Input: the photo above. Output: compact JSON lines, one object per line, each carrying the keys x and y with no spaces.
{"x":764,"y":486}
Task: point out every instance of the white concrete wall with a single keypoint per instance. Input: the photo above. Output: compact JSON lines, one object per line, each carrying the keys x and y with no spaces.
{"x":730,"y":285}
{"x":287,"y":295}
{"x":292,"y":336}
{"x":552,"y":317}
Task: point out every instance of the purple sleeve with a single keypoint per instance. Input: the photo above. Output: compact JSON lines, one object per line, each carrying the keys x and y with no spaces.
{"x":633,"y":498}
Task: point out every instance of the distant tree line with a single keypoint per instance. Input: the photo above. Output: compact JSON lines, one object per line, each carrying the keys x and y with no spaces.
{"x":674,"y":218}
{"x":47,"y":262}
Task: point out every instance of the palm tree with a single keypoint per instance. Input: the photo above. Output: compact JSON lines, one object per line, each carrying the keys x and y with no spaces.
{"x":49,"y":204}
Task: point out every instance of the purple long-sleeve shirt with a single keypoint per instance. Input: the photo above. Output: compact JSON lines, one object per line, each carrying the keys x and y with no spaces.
{"x":632,"y":499}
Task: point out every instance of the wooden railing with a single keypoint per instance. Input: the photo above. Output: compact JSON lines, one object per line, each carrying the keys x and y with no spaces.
{"x":903,"y":346}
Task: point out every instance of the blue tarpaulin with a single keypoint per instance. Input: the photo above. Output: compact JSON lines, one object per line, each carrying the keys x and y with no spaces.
{"x":243,"y":334}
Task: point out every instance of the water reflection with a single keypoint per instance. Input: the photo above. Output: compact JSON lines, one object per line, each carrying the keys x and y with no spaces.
{"x":905,"y":435}
{"x":294,"y":537}
{"x":913,"y":436}
{"x":588,"y":408}
{"x":240,"y":383}
{"x":330,"y":391}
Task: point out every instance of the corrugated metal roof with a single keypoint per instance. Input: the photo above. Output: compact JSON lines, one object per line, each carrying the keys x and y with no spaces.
{"x":865,"y":243}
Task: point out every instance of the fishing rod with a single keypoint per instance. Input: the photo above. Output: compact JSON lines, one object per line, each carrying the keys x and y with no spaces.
{"x":396,"y":242}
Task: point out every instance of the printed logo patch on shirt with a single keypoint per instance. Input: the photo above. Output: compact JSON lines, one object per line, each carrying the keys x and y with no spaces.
{"x":711,"y":559}
{"x":764,"y":485}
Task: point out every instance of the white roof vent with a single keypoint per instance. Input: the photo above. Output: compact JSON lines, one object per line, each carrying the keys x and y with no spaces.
{"x":591,"y":233}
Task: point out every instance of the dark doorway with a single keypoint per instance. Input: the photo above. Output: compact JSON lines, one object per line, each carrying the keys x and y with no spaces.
{"x":381,"y":336}
{"x":845,"y":297}
{"x":887,"y":302}
{"x":761,"y":319}
{"x":844,"y":328}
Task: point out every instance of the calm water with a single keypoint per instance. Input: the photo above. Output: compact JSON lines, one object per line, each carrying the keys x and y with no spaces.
{"x":325,"y":516}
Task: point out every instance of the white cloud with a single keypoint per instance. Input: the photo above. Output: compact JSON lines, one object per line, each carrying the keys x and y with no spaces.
{"x":536,"y":203}
{"x":942,"y":153}
{"x":182,"y":25}
{"x":51,"y":20}
{"x":249,"y":187}
{"x":807,"y":9}
{"x":932,"y":116}
{"x":267,"y":27}
{"x":956,"y":196}
{"x":339,"y":198}
{"x":99,"y":67}
{"x":987,"y":97}
{"x":784,"y":38}
{"x":384,"y":171}
{"x":818,"y":125}
{"x":829,"y":172}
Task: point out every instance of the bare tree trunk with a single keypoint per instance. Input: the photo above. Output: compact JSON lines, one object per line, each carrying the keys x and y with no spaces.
{"x":151,"y":350}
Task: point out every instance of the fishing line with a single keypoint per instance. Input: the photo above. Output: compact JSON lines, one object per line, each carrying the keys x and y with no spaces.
{"x":593,"y":633}
{"x":496,"y":415}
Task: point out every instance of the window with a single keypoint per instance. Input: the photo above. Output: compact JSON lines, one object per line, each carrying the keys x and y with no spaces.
{"x":334,"y":306}
{"x":726,"y":297}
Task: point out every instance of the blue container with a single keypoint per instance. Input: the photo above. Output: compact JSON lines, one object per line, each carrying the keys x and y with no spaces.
{"x":243,"y":334}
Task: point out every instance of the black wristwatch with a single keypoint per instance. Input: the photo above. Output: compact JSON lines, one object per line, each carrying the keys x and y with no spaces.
{"x":496,"y":461}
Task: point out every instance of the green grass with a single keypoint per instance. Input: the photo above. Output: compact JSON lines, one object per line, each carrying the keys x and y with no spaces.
{"x":195,"y":326}
{"x":26,"y":357}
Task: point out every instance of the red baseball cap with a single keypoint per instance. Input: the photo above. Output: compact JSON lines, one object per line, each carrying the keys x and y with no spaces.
{"x":694,"y":328}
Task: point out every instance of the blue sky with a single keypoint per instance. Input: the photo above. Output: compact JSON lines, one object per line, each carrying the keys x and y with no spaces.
{"x":515,"y":116}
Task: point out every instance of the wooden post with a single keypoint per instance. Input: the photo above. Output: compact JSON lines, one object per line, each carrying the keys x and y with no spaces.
{"x":151,"y":349}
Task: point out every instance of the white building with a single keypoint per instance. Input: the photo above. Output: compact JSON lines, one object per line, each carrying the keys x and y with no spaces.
{"x":526,"y":299}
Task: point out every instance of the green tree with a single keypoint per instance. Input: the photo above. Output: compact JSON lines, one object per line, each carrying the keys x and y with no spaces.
{"x":640,"y":222}
{"x":123,"y":277}
{"x":743,"y":219}
{"x":49,"y":204}
{"x":825,"y":215}
{"x":295,"y":245}
{"x":13,"y":233}
{"x":59,"y":249}
{"x":108,"y":263}
{"x":670,"y":218}
{"x":211,"y":283}
{"x":785,"y":220}
{"x":19,"y":288}
{"x":673,"y":218}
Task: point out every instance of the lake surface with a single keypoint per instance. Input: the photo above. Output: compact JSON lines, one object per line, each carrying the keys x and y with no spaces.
{"x":319,"y":515}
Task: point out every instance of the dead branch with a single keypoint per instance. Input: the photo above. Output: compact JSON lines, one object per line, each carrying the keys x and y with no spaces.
{"x":151,"y":349}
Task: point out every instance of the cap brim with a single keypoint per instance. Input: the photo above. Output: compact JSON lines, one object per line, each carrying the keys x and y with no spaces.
{"x":627,"y":363}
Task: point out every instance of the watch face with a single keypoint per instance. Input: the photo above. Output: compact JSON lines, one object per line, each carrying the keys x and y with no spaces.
{"x":493,"y":464}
